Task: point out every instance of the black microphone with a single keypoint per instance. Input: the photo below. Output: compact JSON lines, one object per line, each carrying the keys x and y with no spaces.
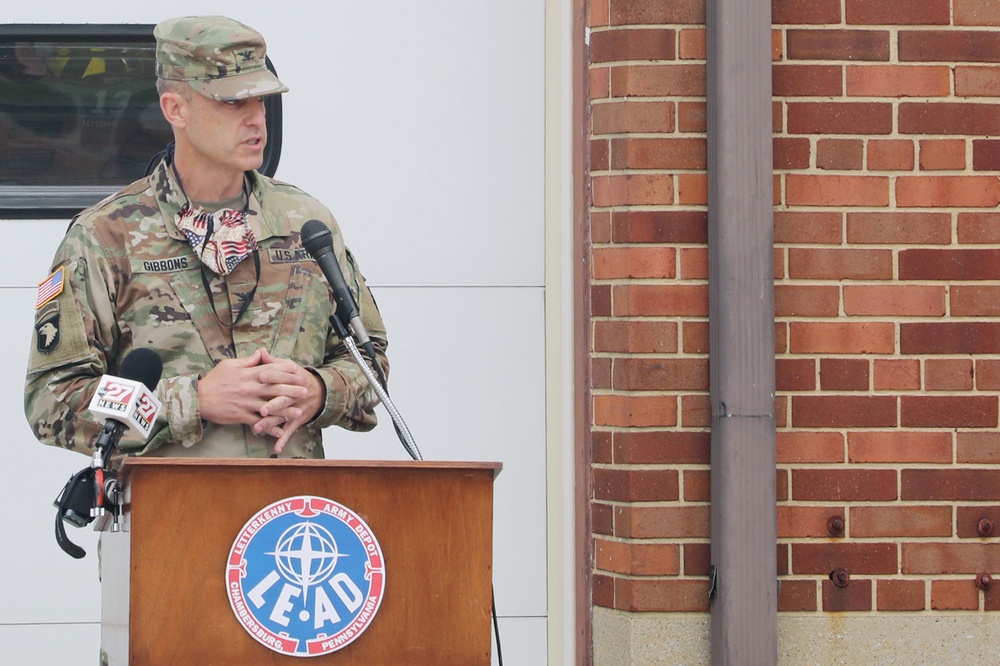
{"x":84,"y":493}
{"x":318,"y":241}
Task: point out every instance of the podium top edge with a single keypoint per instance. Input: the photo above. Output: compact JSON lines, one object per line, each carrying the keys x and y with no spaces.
{"x":134,"y":462}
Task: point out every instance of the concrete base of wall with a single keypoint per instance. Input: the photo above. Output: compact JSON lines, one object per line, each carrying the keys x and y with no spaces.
{"x":628,"y":639}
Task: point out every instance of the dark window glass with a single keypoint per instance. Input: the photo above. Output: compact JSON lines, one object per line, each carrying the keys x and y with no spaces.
{"x":80,"y":117}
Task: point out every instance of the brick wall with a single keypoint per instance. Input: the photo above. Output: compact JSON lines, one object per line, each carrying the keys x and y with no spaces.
{"x":887,"y":303}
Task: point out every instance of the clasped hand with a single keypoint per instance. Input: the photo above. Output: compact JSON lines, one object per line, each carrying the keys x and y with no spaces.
{"x":274,"y":396}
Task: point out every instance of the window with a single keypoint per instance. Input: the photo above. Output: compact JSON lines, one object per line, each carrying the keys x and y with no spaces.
{"x":80,"y":117}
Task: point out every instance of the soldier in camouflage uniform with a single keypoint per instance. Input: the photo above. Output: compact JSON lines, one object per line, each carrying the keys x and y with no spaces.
{"x":202,"y":262}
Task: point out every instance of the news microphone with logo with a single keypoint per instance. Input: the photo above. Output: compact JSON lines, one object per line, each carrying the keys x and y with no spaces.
{"x":318,"y":241}
{"x":128,"y":402}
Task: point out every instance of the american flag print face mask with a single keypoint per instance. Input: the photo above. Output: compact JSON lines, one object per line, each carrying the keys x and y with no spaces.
{"x":221,"y":239}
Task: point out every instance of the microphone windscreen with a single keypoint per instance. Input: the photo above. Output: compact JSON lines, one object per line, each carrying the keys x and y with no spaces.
{"x":142,"y":365}
{"x":315,"y":236}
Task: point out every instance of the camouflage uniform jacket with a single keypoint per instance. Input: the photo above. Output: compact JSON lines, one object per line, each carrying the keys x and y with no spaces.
{"x":132,"y":280}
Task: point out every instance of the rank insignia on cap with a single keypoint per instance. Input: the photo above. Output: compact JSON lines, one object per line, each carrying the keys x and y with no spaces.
{"x":51,"y":287}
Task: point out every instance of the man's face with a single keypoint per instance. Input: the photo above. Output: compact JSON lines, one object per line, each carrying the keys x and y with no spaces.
{"x":227,"y":136}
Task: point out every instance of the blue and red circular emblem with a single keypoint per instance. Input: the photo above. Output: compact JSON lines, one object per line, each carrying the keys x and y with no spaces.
{"x":305,"y":576}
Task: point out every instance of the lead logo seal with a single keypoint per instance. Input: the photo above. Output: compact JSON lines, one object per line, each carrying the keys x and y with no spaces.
{"x":305,"y":576}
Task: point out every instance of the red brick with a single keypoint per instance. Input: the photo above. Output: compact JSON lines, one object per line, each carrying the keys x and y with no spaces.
{"x":805,"y":11}
{"x":889,"y":228}
{"x":600,"y":373}
{"x":600,"y":447}
{"x":934,"y":411}
{"x":797,"y":595}
{"x":800,"y":446}
{"x":898,"y":81}
{"x":600,"y":227}
{"x":839,"y":264}
{"x":896,"y":374}
{"x":658,"y":81}
{"x":692,"y":189}
{"x":600,"y":82}
{"x":795,"y":374}
{"x":949,"y":46}
{"x":979,"y":228}
{"x":840,"y":154}
{"x":977,"y":81}
{"x":844,"y":374}
{"x":636,"y":485}
{"x":987,"y":375}
{"x":955,"y":191}
{"x":663,"y":447}
{"x":803,"y":190}
{"x":950,"y":558}
{"x":603,"y":590}
{"x":805,"y":521}
{"x":635,"y":337}
{"x":600,"y":155}
{"x":949,"y":338}
{"x":942,"y":155}
{"x":662,"y":522}
{"x":806,"y":301}
{"x":900,"y":595}
{"x":691,"y":44}
{"x":637,"y":559}
{"x":948,"y":118}
{"x":599,"y":13}
{"x":948,"y":374}
{"x":612,"y":263}
{"x":635,"y":44}
{"x":602,"y":518}
{"x":970,"y":484}
{"x":806,"y":81}
{"x":697,"y":559}
{"x":636,"y":411}
{"x":857,"y":558}
{"x":620,"y":117}
{"x":826,"y":118}
{"x":666,"y":226}
{"x":975,"y":301}
{"x":633,"y":189}
{"x":814,"y":228}
{"x":660,"y":374}
{"x":900,"y":521}
{"x":967,"y":522}
{"x":842,"y":338}
{"x":659,"y":595}
{"x":899,"y":446}
{"x":654,"y":300}
{"x":890,"y":155}
{"x":954,"y":595}
{"x":857,"y":596}
{"x":658,"y":153}
{"x":950,"y":265}
{"x":976,"y":12}
{"x":977,"y":447}
{"x":840,"y":485}
{"x":790,"y":153}
{"x":900,"y":12}
{"x":692,"y":117}
{"x":694,"y":337}
{"x":638,"y":12}
{"x":697,"y":485}
{"x":901,"y":300}
{"x":827,"y":44}
{"x":986,"y":155}
{"x":694,"y":263}
{"x":696,"y":411}
{"x":600,"y":300}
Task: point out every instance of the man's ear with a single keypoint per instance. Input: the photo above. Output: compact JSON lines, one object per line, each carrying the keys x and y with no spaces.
{"x":174,"y":108}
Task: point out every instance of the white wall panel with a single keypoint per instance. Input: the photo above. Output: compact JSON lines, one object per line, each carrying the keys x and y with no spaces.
{"x":421,"y":126}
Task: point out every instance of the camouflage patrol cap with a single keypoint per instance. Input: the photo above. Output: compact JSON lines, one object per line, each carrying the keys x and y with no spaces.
{"x":220,"y":58}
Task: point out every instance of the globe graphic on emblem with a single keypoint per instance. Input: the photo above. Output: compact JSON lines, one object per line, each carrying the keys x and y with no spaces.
{"x":306,"y":555}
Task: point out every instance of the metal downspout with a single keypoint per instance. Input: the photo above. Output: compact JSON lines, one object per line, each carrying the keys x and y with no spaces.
{"x":741,"y":331}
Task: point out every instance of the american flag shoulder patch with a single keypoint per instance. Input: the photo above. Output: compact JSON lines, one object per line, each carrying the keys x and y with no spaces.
{"x":51,"y":287}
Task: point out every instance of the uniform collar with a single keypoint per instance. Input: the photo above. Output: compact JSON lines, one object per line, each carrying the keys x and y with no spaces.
{"x":170,"y":199}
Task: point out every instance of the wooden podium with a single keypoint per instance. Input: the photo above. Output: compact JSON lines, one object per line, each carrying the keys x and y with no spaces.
{"x":164,"y":574}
